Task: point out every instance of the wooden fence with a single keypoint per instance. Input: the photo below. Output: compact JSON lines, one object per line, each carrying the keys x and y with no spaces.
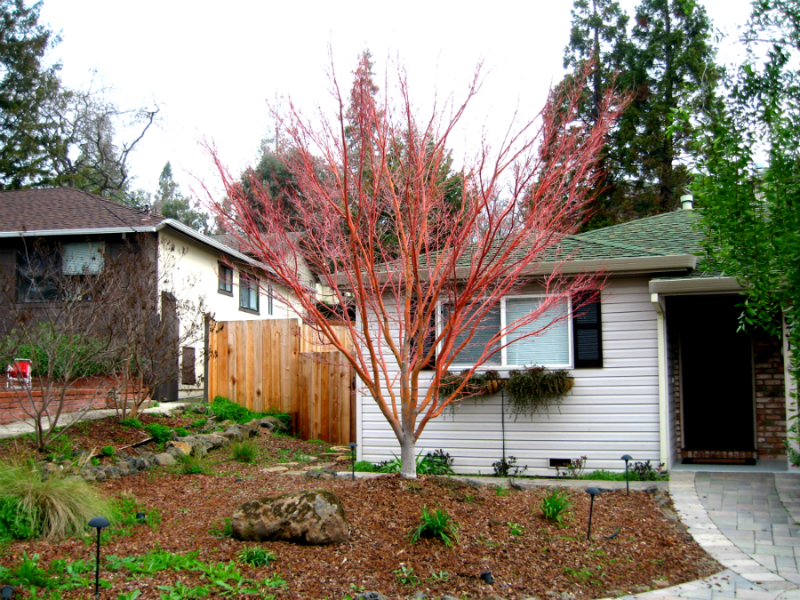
{"x":281,"y":364}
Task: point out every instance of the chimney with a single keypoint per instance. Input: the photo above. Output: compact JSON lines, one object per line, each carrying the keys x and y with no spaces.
{"x":687,"y":202}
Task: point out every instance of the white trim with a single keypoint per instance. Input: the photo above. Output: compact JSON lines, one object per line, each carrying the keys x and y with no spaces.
{"x":663,"y":404}
{"x":695,"y":285}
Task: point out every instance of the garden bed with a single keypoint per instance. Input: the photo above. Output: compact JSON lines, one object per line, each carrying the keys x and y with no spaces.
{"x":501,"y":532}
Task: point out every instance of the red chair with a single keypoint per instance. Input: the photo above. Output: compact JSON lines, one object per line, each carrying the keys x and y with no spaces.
{"x":19,"y":373}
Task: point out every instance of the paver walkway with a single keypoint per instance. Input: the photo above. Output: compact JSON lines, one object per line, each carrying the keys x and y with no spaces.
{"x":749,"y":523}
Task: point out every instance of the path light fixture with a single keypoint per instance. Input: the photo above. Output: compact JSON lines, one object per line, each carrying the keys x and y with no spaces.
{"x":626,"y":458}
{"x":238,"y":480}
{"x":141,"y":517}
{"x":6,"y":592}
{"x":592,"y":491}
{"x":353,"y":447}
{"x":486,"y":576}
{"x":98,"y":523}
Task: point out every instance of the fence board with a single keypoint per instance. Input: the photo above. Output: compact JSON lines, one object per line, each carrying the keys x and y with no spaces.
{"x":282,"y":365}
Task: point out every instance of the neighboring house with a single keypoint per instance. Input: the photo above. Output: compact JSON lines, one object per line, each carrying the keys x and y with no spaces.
{"x":660,"y":371}
{"x":84,"y":226}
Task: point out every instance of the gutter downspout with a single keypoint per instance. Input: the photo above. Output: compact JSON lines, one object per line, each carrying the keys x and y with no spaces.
{"x":663,"y":404}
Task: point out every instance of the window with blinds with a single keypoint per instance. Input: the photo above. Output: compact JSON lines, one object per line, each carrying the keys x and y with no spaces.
{"x":550,"y":347}
{"x":83,"y":258}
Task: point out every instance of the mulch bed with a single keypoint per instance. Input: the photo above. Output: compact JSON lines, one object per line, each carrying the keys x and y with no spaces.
{"x":648,"y":551}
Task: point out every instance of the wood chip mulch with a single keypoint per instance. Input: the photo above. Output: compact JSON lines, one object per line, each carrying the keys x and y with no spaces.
{"x":634,"y":548}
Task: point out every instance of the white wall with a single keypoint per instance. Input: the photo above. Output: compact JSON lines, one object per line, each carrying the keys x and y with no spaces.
{"x":610,"y":412}
{"x":195,"y":276}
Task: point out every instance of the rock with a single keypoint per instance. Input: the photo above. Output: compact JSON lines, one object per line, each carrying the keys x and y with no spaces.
{"x":342,"y":459}
{"x":640,"y":589}
{"x":216,"y":440}
{"x":234,"y":434}
{"x":179,"y":449}
{"x":670,"y":515}
{"x":322,"y":474}
{"x":418,"y":596}
{"x":49,"y":469}
{"x":225,"y":423}
{"x":99,"y":476}
{"x":112,"y":472}
{"x":173,"y":435}
{"x":245,"y":430}
{"x":306,"y":458}
{"x":274,"y":470}
{"x":371,"y":596}
{"x":88,"y":474}
{"x":295,"y":473}
{"x":163,"y":460}
{"x":313,"y":517}
{"x":272,"y":424}
{"x":660,"y":582}
{"x":531,"y":598}
{"x":200,"y":445}
{"x":448,"y":597}
{"x":199,"y":409}
{"x":493,"y":597}
{"x":123,"y":467}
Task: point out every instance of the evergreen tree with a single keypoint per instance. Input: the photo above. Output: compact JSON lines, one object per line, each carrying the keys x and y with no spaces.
{"x":27,"y":85}
{"x":672,"y":68}
{"x":598,"y":41}
{"x":170,"y":203}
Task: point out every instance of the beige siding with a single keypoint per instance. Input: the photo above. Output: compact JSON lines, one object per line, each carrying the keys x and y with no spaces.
{"x":610,"y":412}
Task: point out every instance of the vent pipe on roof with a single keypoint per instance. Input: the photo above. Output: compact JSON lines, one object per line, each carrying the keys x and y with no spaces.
{"x":687,"y":202}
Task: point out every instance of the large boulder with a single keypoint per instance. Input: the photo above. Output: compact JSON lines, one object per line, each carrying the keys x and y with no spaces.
{"x":272,"y":424}
{"x":310,"y":517}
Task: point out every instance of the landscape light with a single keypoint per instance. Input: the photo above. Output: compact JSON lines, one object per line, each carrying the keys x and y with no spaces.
{"x":626,"y":458}
{"x":141,"y":517}
{"x":592,"y":491}
{"x":487,"y":577}
{"x":353,"y":447}
{"x":6,"y":592}
{"x":238,"y":480}
{"x":98,"y":523}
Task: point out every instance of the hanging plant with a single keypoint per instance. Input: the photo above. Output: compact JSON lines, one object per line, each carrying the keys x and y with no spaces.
{"x":534,"y":388}
{"x":480,"y":384}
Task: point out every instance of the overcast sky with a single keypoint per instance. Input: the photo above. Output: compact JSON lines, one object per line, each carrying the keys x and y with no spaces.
{"x":212,"y":66}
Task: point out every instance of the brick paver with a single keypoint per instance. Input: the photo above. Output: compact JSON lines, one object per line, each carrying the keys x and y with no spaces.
{"x":750,"y":523}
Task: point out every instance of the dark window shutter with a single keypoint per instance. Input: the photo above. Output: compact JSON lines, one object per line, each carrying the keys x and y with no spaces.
{"x":430,"y":338}
{"x":587,"y":334}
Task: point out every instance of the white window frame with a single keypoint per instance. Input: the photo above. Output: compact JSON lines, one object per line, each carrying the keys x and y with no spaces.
{"x":504,"y":366}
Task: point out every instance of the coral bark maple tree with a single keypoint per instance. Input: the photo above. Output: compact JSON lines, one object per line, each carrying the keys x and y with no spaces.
{"x":416,"y":266}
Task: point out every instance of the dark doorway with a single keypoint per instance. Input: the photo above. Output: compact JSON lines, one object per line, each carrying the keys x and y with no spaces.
{"x":716,"y":373}
{"x":166,"y":351}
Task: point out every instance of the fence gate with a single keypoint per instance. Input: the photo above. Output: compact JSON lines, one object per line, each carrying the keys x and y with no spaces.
{"x":281,"y":364}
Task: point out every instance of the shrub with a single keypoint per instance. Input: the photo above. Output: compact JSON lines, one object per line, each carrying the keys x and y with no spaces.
{"x":15,"y":524}
{"x":108,"y":451}
{"x":435,"y":463}
{"x":222,"y":529}
{"x":56,"y":507}
{"x":555,"y":505}
{"x":198,"y":423}
{"x":132,"y":423}
{"x":182,"y":432}
{"x":364,"y":466}
{"x":256,"y":557}
{"x":230,"y":411}
{"x":436,"y":524}
{"x":244,"y":452}
{"x":507,"y":467}
{"x":160,"y":433}
{"x":645,"y":472}
{"x":191,"y":465}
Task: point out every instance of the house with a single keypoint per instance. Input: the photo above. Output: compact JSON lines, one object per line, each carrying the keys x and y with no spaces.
{"x":660,"y":371}
{"x":89,"y":230}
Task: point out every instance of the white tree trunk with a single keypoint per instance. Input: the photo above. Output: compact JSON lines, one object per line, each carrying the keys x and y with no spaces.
{"x":408,"y":469}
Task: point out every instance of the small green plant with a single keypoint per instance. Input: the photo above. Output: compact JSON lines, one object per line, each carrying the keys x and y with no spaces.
{"x":574,"y":470}
{"x":160,"y":433}
{"x":94,"y":461}
{"x":501,"y":491}
{"x":191,"y":465}
{"x":244,"y":451}
{"x":222,"y":529}
{"x":132,"y":423}
{"x":15,"y":524}
{"x":507,"y":467}
{"x":364,"y":466}
{"x":555,"y":506}
{"x":435,"y":463}
{"x":182,"y":432}
{"x":201,"y":422}
{"x":437,"y":524}
{"x":256,"y":557}
{"x":405,"y":576}
{"x":516,"y":529}
{"x":439,"y":576}
{"x":645,"y":472}
{"x":126,"y":508}
{"x":108,"y":451}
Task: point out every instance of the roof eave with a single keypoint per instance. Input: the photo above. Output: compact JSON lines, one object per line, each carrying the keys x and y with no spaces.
{"x":695,"y":285}
{"x":82,"y":231}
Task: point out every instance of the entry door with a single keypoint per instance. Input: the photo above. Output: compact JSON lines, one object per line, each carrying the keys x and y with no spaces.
{"x":716,"y":374}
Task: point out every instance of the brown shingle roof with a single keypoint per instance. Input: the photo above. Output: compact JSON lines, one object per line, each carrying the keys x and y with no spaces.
{"x":65,"y":209}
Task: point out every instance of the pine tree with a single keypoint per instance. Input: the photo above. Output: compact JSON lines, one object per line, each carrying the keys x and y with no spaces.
{"x":170,"y":203}
{"x":673,"y":69}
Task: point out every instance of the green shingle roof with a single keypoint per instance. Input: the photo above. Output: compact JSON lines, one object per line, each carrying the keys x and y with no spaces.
{"x":668,"y":234}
